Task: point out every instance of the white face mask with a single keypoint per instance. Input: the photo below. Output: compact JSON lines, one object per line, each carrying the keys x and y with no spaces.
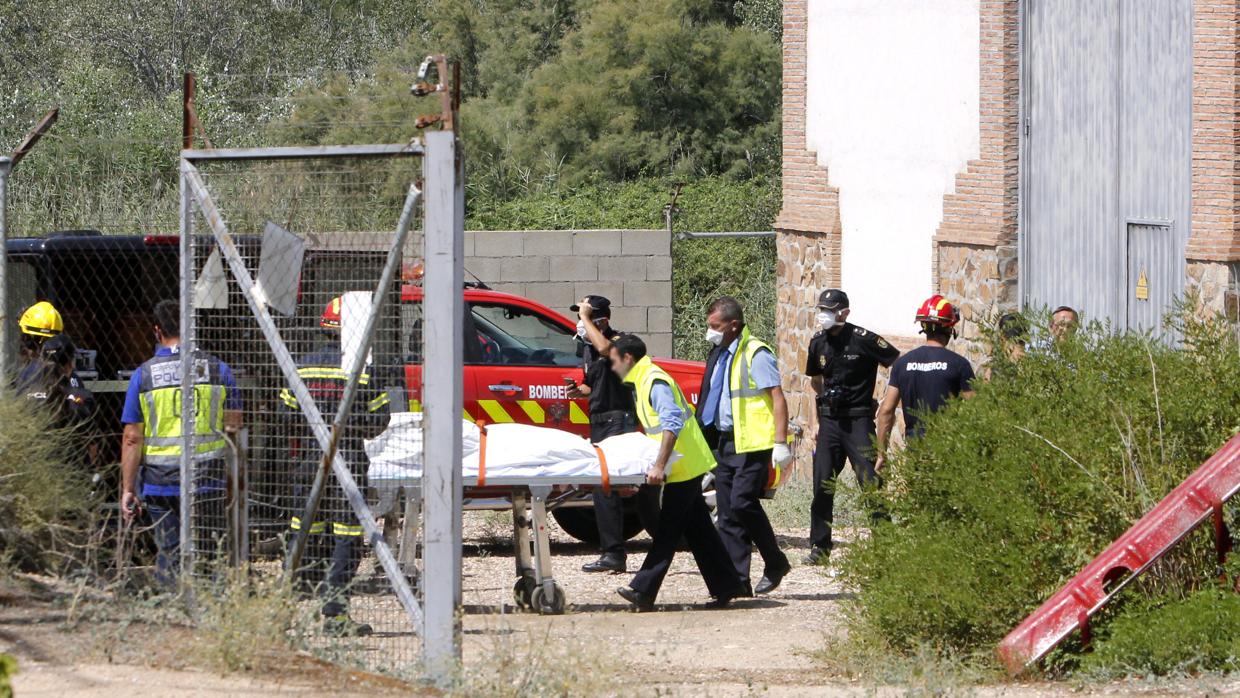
{"x":581,"y":329}
{"x":714,"y":337}
{"x":827,"y":318}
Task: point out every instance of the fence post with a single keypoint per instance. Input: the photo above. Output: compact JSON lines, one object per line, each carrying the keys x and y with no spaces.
{"x":443,"y":402}
{"x":189,"y":409}
{"x":6,"y":166}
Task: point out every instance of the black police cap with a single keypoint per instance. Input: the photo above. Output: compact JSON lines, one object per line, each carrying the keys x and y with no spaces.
{"x":601,"y":306}
{"x":58,"y":350}
{"x":833,"y":299}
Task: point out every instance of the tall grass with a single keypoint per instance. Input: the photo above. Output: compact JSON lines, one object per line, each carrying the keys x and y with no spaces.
{"x":45,"y":497}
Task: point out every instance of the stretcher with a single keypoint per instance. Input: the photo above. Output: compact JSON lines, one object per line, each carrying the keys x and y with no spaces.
{"x":529,"y":492}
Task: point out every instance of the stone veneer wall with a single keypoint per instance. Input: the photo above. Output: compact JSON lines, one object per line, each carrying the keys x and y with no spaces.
{"x":632,"y":268}
{"x":982,"y":281}
{"x":808,"y":263}
{"x":1216,"y":286}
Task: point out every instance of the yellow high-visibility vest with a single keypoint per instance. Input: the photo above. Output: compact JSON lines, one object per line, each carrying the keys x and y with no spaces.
{"x":696,"y":458}
{"x":753,"y":412}
{"x":160,"y":398}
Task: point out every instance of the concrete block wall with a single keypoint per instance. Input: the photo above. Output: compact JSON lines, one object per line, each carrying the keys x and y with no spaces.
{"x":633,"y":268}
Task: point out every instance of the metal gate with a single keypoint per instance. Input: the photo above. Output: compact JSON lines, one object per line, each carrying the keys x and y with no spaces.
{"x":313,"y":321}
{"x":1106,"y":157}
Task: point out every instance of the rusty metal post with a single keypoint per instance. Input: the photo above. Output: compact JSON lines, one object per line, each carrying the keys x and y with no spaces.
{"x":34,"y":135}
{"x":188,"y":83}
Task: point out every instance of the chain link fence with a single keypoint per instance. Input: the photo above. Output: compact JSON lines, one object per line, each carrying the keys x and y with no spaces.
{"x":298,"y":272}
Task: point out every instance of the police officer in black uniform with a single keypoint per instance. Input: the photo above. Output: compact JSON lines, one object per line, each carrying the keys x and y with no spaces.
{"x":612,"y":412}
{"x":50,"y":384}
{"x":842,"y":363}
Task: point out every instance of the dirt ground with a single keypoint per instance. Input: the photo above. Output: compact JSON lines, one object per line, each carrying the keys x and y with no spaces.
{"x":758,"y":646}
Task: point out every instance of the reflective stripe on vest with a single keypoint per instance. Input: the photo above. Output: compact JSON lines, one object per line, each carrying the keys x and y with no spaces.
{"x":338,"y":374}
{"x":753,"y":412}
{"x":696,"y":457}
{"x":160,"y":400}
{"x":338,"y":529}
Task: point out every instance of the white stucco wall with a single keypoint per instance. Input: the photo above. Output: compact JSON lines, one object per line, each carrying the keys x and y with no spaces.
{"x":892,"y":111}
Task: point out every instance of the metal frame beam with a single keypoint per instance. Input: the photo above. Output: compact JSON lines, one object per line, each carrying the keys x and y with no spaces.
{"x":193,"y":180}
{"x":412,"y":148}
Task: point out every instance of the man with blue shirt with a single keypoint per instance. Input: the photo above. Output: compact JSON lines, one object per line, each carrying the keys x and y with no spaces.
{"x":745,"y":419}
{"x":667,"y":417}
{"x":152,"y":442}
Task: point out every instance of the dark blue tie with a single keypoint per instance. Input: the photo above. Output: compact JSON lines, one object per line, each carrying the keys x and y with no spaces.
{"x":716,"y":388}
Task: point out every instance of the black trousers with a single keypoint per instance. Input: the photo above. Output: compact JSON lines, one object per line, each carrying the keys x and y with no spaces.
{"x":841,"y":438}
{"x":328,"y":567}
{"x":740,"y":480}
{"x":684,"y":513}
{"x":609,"y":508}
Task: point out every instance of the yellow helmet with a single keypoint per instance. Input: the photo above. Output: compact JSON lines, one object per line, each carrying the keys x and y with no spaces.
{"x":42,"y":320}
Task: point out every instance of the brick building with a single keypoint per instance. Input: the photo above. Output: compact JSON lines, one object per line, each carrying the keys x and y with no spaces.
{"x":1006,"y":153}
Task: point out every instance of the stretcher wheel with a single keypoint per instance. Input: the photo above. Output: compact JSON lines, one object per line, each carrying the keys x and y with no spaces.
{"x":552,"y":606}
{"x":523,"y":591}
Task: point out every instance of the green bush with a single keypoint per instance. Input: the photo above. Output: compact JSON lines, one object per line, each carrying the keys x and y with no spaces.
{"x":1200,"y":633}
{"x":44,"y":503}
{"x":1009,"y":494}
{"x":8,"y":668}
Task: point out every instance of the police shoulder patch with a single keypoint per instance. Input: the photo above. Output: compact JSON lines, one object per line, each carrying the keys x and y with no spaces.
{"x":822,"y":360}
{"x":882,"y":343}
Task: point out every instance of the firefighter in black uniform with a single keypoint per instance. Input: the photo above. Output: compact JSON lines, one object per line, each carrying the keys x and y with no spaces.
{"x":612,"y":412}
{"x":334,"y":549}
{"x":842,"y":362}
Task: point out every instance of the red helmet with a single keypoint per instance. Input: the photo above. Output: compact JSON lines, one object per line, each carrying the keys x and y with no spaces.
{"x":331,"y":315}
{"x":939,"y":311}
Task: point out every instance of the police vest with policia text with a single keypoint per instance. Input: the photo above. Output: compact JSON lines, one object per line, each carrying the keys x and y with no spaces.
{"x":160,"y":398}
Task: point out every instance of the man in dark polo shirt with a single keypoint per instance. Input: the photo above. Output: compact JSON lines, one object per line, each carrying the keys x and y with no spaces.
{"x":612,"y":412}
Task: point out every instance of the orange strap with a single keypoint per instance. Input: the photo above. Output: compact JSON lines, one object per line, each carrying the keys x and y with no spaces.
{"x":482,"y":454}
{"x":602,"y":466}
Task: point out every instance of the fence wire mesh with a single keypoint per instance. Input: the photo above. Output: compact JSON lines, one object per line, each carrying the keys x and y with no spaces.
{"x":93,"y":220}
{"x":315,"y":235}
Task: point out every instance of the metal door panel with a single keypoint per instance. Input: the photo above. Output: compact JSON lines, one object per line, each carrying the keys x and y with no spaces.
{"x":1071,"y":246}
{"x":1156,"y":155}
{"x":1107,"y":102}
{"x":1154,"y":252}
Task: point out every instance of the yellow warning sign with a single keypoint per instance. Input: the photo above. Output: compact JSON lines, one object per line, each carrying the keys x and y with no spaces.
{"x":1143,"y":287}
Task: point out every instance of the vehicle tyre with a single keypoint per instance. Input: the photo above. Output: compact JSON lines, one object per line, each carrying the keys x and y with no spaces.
{"x":579,"y":522}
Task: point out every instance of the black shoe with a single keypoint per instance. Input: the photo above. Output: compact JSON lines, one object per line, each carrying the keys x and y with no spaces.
{"x":722,"y":600}
{"x":746,"y":591}
{"x":770,"y":581}
{"x":639,"y":600}
{"x":607,"y":563}
{"x":344,"y":626}
{"x":817,"y":556}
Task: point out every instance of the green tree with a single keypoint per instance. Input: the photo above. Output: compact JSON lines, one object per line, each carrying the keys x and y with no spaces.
{"x":656,"y":87}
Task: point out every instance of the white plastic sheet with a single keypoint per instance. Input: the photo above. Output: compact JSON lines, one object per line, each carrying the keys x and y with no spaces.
{"x":518,"y":451}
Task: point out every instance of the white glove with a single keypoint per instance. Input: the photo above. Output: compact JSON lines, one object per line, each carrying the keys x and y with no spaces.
{"x":782,"y":455}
